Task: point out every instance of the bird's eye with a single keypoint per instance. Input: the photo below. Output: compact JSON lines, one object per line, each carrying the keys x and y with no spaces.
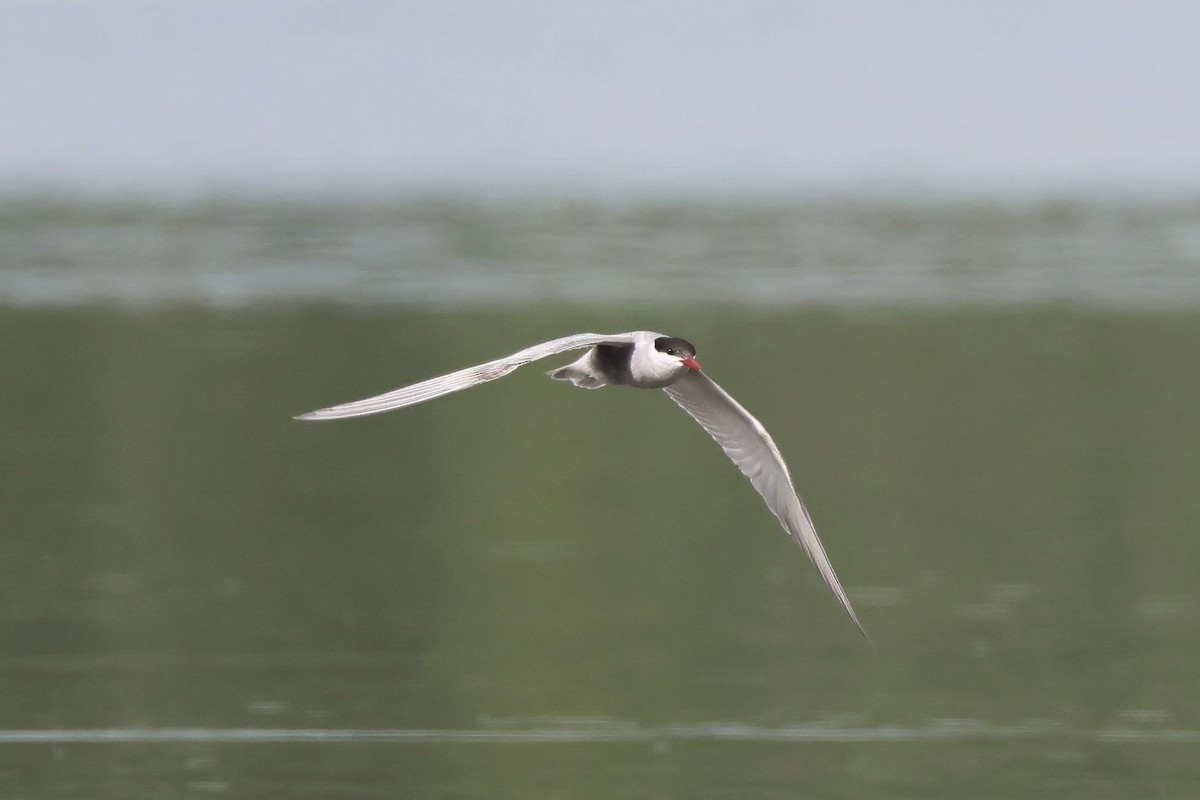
{"x":671,"y":351}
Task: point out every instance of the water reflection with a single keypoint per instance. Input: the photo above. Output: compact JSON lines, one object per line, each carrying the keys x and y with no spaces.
{"x":600,"y":730}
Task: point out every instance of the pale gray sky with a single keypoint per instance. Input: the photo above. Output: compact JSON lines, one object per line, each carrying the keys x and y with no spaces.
{"x":296,"y":92}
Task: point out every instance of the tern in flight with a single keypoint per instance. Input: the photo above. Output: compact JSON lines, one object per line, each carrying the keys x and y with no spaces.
{"x":644,"y":360}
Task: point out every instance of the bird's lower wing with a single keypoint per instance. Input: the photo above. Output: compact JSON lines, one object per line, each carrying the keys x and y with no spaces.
{"x":464,"y":378}
{"x":747,"y":443}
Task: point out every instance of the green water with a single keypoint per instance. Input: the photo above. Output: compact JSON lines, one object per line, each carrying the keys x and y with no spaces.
{"x":529,"y":590}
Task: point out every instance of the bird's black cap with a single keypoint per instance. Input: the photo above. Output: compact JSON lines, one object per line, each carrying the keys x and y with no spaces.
{"x":682,"y":347}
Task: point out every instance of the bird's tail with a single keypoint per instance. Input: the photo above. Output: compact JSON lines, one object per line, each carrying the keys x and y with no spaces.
{"x":579,"y":374}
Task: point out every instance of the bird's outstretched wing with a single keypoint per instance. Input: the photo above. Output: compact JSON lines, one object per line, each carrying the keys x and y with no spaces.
{"x":464,"y":378}
{"x":747,"y":443}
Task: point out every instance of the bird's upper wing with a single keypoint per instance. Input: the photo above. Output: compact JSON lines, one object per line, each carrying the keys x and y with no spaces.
{"x":464,"y":378}
{"x":748,"y":444}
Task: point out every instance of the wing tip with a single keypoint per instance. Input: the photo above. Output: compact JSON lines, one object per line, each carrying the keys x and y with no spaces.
{"x":857,"y":624}
{"x":319,"y":414}
{"x":844,"y":602}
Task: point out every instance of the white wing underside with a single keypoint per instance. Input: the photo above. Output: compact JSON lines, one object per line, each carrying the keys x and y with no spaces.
{"x":750,"y":447}
{"x":464,"y":378}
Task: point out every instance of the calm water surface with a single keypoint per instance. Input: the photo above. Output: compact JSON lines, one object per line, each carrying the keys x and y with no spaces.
{"x":533,"y":591}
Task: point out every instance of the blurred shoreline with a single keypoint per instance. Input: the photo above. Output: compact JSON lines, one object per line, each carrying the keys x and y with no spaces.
{"x":459,"y":250}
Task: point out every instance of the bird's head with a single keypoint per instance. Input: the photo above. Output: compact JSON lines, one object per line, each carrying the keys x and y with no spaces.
{"x":681,"y":350}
